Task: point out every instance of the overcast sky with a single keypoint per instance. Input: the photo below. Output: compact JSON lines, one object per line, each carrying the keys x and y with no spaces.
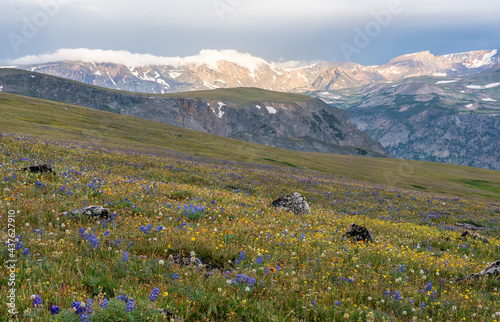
{"x":369,"y":32}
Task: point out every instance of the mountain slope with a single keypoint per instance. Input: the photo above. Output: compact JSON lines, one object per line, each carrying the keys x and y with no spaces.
{"x":179,"y":75}
{"x":23,"y":115}
{"x":452,"y":120}
{"x":290,"y":121}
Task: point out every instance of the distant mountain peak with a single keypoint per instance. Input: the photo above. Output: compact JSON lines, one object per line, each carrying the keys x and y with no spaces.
{"x":211,"y":69}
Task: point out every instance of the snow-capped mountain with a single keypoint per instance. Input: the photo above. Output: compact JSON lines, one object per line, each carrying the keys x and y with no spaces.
{"x":225,"y":69}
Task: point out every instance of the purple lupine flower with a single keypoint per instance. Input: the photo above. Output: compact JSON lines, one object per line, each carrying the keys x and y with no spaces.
{"x":54,"y":309}
{"x":154,"y":294}
{"x":130,"y":305}
{"x":37,"y":301}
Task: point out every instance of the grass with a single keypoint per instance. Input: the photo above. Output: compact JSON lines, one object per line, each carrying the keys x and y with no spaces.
{"x":266,"y":263}
{"x":47,"y":119}
{"x":175,"y":192}
{"x":243,"y":95}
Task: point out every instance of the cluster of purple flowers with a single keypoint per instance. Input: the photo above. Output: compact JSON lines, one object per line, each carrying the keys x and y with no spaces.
{"x":154,"y":294}
{"x":243,"y":279}
{"x":125,"y":257}
{"x":146,"y":229}
{"x":37,"y":301}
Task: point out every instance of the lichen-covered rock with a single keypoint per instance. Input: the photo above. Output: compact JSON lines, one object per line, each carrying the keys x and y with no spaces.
{"x":469,"y":226}
{"x":41,"y":168}
{"x":491,"y":270}
{"x":92,"y":212}
{"x":293,"y":202}
{"x":358,"y":233}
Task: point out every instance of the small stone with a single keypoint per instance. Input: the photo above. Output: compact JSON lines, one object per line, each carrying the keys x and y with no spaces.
{"x":41,"y":168}
{"x":358,"y":233}
{"x":93,"y":212}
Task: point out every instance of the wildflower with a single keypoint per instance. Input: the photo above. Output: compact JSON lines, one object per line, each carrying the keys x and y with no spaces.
{"x":154,"y":294}
{"x":259,"y":260}
{"x":54,"y":309}
{"x":106,"y":233}
{"x":37,"y":301}
{"x":77,"y":307}
{"x":159,"y":228}
{"x":161,"y":262}
{"x":422,"y":305}
{"x":242,"y":255}
{"x":122,"y":297}
{"x":125,"y":257}
{"x":26,"y":251}
{"x":247,"y":289}
{"x":346,"y":316}
{"x":397,"y":296}
{"x":387,"y":293}
{"x":428,"y":287}
{"x":130,"y":305}
{"x":337,"y":303}
{"x":314,"y":302}
{"x":175,"y":276}
{"x":104,"y":303}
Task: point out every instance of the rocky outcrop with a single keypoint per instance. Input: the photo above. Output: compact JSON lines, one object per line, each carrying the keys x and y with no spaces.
{"x":293,"y":202}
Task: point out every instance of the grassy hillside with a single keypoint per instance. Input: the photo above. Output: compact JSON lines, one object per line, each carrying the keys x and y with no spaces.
{"x":243,"y":95}
{"x":214,"y":208}
{"x":48,"y":119}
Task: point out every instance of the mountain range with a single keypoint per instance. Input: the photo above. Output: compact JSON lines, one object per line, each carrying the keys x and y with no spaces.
{"x":226,"y":71}
{"x":418,"y":106}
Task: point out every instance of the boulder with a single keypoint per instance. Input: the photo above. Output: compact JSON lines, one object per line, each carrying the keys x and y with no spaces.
{"x":92,"y":212}
{"x":469,"y":226}
{"x":358,"y":233}
{"x":41,"y":168}
{"x":293,"y":202}
{"x":468,"y":235}
{"x":491,"y":270}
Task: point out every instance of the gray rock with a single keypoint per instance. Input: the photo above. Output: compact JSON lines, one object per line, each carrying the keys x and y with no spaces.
{"x":358,"y":233}
{"x":469,"y":226}
{"x":293,"y":202}
{"x":41,"y":168}
{"x":93,"y":212}
{"x":491,"y":270}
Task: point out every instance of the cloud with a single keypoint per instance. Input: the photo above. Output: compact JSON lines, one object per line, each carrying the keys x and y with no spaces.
{"x":208,"y":57}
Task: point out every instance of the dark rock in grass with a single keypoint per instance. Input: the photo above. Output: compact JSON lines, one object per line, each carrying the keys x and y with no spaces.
{"x":491,"y":270}
{"x":92,"y":212}
{"x":467,"y":235}
{"x":293,"y":202}
{"x":358,"y":233}
{"x":41,"y":168}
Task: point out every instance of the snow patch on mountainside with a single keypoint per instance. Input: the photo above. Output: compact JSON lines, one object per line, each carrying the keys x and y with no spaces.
{"x":220,"y":112}
{"x":271,"y":110}
{"x":446,"y":81}
{"x":486,"y":60}
{"x":472,"y":86}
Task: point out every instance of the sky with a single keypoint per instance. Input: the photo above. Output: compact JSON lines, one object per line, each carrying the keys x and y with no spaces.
{"x":369,"y":32}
